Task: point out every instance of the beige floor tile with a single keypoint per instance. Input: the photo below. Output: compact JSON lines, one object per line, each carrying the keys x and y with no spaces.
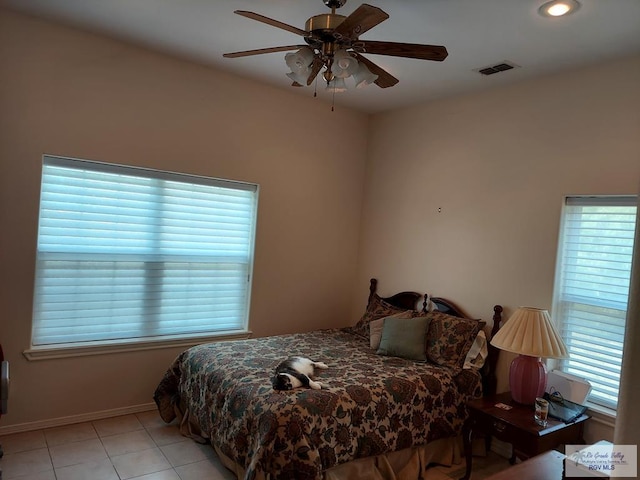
{"x":211,"y":469}
{"x":128,"y":443}
{"x":22,"y":442}
{"x":77,"y":452}
{"x":116,"y":425}
{"x":136,"y":464}
{"x":25,"y":463}
{"x":482,"y":467}
{"x":69,"y":434}
{"x":183,"y":453}
{"x":47,"y":475}
{"x":164,"y":475}
{"x":88,"y":471}
{"x":435,"y":474}
{"x":152,"y":419}
{"x":166,"y":435}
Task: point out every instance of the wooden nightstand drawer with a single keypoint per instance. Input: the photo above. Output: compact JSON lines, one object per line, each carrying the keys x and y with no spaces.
{"x":526,"y":442}
{"x":495,"y":427}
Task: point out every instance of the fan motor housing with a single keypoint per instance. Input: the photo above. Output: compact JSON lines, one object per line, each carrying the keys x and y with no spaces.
{"x":322,"y":27}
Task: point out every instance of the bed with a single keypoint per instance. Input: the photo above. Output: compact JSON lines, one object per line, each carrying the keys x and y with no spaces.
{"x":390,"y":405}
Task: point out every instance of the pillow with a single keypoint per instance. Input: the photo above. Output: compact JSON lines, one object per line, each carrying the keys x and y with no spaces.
{"x":402,"y":337}
{"x":375,"y":327}
{"x":377,"y":308}
{"x":449,"y":338}
{"x":477,"y":354}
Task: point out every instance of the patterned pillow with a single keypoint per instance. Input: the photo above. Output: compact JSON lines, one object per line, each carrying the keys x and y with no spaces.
{"x":450,"y":338}
{"x":377,"y":308}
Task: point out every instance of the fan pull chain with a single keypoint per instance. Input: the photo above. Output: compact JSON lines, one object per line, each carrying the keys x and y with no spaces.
{"x":333,"y":97}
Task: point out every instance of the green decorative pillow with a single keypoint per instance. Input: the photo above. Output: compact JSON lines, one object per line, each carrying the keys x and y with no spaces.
{"x":376,"y":326}
{"x":404,"y":337}
{"x":449,"y":338}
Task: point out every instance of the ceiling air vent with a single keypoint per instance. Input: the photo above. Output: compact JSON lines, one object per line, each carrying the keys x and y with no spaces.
{"x":500,"y":67}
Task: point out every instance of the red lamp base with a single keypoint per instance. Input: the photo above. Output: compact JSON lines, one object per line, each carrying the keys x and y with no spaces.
{"x":527,"y":379}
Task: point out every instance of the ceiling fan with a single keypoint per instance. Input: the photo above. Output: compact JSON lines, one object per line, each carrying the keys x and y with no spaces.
{"x":333,"y":43}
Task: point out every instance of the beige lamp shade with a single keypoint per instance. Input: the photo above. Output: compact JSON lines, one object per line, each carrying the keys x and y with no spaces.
{"x":529,"y":331}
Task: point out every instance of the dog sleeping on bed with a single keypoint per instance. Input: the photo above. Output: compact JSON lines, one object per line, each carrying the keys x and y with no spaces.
{"x":296,"y":372}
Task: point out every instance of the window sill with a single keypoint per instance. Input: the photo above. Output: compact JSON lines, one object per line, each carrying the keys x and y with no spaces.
{"x":120,"y":346}
{"x":600,"y":414}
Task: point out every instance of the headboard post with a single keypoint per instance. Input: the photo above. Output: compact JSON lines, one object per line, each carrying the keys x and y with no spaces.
{"x":373,"y":286}
{"x":490,"y":378}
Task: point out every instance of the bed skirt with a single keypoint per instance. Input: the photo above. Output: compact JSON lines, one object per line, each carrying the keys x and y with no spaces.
{"x":407,"y":464}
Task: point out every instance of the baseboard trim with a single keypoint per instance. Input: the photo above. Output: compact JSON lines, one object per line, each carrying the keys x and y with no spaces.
{"x":83,"y":417}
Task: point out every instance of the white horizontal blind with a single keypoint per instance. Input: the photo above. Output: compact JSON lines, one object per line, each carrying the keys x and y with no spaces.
{"x":128,"y":253}
{"x":592,"y":289}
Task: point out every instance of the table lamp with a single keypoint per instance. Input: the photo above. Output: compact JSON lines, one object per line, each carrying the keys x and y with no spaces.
{"x":529,"y":333}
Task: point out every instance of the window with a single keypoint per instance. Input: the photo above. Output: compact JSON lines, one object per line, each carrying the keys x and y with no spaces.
{"x":131,"y":254}
{"x":592,"y":289}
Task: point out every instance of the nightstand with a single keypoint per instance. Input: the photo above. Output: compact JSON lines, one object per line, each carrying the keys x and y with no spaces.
{"x":517,"y":427}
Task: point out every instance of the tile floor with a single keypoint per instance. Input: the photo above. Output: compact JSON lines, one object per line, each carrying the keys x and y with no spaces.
{"x":483,"y":467}
{"x":140,"y":447}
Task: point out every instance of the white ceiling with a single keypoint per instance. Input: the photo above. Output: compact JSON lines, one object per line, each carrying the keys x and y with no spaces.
{"x":477,"y":33}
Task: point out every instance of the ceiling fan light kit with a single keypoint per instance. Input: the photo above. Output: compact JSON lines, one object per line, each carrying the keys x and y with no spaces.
{"x":344,"y":65}
{"x":334,"y":48}
{"x":363,"y":76}
{"x":299,"y":63}
{"x":337,"y":85}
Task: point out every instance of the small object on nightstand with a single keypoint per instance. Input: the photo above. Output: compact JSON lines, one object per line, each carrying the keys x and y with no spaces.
{"x":542,"y":412}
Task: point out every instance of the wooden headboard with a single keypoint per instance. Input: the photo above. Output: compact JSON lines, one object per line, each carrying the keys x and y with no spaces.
{"x":406,"y":300}
{"x":409,"y":301}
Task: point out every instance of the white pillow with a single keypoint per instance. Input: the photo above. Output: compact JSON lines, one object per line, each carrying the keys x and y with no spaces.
{"x":477,"y":354}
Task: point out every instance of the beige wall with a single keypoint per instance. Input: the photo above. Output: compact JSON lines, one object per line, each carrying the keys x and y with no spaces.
{"x":73,"y":94}
{"x":497,"y":164}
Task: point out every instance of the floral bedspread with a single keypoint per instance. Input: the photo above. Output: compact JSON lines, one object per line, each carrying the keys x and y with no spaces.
{"x":370,"y":404}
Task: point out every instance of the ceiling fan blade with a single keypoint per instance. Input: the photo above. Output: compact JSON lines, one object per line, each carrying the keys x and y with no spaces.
{"x":363,"y":18}
{"x":315,"y":69}
{"x":385,"y":79}
{"x":260,"y":51}
{"x":409,"y":50}
{"x":272,"y":22}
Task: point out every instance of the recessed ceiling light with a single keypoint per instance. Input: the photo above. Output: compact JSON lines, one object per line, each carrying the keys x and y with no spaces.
{"x":558,"y":8}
